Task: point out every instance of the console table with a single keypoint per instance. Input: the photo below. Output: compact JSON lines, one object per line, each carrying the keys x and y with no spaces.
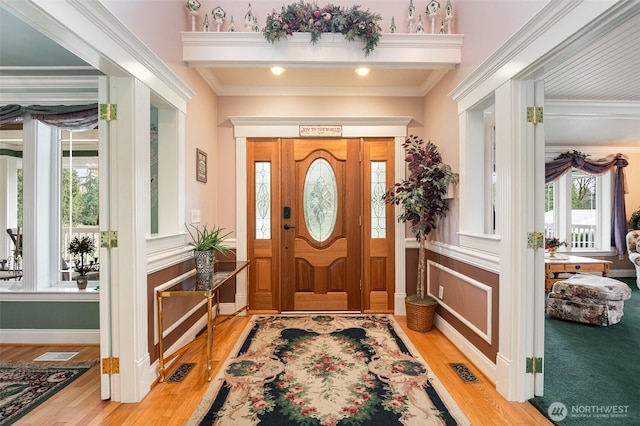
{"x":554,"y":266}
{"x":224,"y":271}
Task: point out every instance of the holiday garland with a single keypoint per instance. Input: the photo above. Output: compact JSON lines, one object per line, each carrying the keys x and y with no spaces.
{"x":309,"y":18}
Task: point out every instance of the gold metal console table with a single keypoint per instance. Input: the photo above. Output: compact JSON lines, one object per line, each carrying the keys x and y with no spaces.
{"x":224,"y":271}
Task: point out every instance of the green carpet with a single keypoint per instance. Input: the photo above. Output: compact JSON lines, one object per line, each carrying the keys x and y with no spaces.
{"x":594,"y":371}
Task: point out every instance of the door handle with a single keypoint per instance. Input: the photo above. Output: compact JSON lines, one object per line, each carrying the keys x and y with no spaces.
{"x":287,"y":226}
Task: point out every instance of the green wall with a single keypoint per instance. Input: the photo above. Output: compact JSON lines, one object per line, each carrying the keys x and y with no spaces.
{"x":49,"y":315}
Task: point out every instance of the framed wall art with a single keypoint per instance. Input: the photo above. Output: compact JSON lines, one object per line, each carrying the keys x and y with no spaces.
{"x":201,"y":166}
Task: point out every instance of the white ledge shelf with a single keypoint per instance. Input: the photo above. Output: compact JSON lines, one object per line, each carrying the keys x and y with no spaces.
{"x":400,"y":51}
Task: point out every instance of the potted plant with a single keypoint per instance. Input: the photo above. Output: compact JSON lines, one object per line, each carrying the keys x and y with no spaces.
{"x":80,"y":248}
{"x":206,"y":242}
{"x":423,"y":196}
{"x":552,"y":244}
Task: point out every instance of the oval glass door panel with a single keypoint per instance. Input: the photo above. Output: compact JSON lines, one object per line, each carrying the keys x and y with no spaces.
{"x":320,"y":199}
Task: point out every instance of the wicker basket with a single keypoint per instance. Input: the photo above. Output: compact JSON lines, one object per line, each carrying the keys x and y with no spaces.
{"x":419,"y":316}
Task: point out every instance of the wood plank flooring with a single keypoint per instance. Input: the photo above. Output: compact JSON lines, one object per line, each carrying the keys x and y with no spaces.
{"x":172,"y":404}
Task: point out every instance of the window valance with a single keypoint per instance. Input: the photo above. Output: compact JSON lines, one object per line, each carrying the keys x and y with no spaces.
{"x":574,"y":159}
{"x":68,"y":117}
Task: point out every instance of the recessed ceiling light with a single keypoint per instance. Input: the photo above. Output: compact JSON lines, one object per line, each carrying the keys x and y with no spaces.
{"x":362,"y":71}
{"x":276,"y":70}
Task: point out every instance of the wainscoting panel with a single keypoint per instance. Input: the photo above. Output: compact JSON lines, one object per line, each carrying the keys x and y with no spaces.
{"x":180,"y":313}
{"x":467,"y":299}
{"x":470,"y":300}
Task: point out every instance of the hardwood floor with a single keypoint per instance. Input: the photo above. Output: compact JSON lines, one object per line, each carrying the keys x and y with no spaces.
{"x":172,"y":404}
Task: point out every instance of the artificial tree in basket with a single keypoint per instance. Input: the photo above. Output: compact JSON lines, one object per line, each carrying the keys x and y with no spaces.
{"x":423,"y":196}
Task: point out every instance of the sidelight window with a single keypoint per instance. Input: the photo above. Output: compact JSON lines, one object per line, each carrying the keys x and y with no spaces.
{"x":263,"y":200}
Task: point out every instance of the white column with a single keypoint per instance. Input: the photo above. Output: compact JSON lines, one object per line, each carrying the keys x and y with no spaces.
{"x":40,"y":212}
{"x":401,"y":249}
{"x":242,"y":296}
{"x":8,"y":199}
{"x":130,"y":202}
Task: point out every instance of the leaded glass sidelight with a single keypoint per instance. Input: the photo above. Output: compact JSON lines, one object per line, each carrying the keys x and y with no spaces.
{"x":263,"y":200}
{"x":378,"y":211}
{"x":320,"y":199}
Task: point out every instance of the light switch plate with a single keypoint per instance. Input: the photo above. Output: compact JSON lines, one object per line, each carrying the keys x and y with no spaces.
{"x":195,"y":216}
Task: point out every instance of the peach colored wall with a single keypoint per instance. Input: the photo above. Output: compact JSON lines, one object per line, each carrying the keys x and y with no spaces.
{"x":632,"y":177}
{"x":486,"y":25}
{"x":229,"y":106}
{"x":158,"y":24}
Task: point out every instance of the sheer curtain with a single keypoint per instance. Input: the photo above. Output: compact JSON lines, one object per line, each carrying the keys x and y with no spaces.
{"x":565,"y":162}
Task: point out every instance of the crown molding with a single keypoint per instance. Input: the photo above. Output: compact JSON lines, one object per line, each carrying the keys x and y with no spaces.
{"x":49,"y":90}
{"x":405,"y":91}
{"x":17,"y":83}
{"x":552,"y":151}
{"x":627,"y":110}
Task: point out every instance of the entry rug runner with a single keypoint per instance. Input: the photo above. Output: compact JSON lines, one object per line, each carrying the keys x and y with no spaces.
{"x":25,"y":385}
{"x":326,"y":370}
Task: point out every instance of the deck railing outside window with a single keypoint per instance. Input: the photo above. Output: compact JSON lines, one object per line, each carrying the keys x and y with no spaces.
{"x":582,"y":236}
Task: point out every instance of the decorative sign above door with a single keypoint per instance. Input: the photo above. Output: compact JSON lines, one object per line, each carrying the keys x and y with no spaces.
{"x":320,"y":131}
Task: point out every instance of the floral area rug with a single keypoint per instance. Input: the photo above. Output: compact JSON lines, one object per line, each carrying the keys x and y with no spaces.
{"x":326,"y":370}
{"x":25,"y":385}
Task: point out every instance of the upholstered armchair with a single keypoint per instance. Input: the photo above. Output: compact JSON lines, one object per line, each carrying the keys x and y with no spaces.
{"x":633,"y":247}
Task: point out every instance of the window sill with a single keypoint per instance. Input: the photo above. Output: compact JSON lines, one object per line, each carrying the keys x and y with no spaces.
{"x":13,"y":291}
{"x":590,"y":253}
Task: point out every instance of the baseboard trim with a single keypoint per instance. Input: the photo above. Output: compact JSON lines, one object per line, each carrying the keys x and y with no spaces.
{"x":483,"y":363}
{"x":43,"y":337}
{"x":622,"y":273}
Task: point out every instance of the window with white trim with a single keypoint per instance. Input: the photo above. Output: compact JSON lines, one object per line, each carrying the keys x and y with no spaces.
{"x":578,"y":211}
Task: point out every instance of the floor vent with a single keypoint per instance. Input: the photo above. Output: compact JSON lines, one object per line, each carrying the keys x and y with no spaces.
{"x":56,"y":356}
{"x":465,"y":374}
{"x":180,"y":373}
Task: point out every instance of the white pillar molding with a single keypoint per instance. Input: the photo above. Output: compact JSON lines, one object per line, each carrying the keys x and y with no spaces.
{"x":242,"y":291}
{"x":400,"y":292}
{"x":130,"y":142}
{"x":41,"y":154}
{"x":8,"y":199}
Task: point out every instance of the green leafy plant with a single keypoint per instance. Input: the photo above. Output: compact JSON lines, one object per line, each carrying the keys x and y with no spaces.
{"x":81,"y":247}
{"x":634,"y":220}
{"x":208,"y":239}
{"x":309,"y":18}
{"x":422,"y":195}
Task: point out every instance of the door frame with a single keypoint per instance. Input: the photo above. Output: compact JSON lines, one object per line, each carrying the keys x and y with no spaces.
{"x":289,"y":127}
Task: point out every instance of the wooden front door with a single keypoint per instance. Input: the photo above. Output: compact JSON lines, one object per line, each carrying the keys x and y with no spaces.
{"x":321,"y":195}
{"x":319,"y":237}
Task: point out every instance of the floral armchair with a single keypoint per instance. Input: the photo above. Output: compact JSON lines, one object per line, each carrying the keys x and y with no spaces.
{"x":633,"y":247}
